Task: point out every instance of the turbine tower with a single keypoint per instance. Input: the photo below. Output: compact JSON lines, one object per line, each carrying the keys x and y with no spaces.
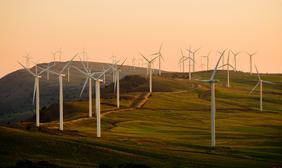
{"x":212,"y":82}
{"x":260,"y":83}
{"x":150,"y":69}
{"x":98,"y":80}
{"x":251,"y":62}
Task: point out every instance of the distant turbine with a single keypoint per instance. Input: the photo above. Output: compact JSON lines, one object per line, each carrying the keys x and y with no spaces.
{"x":208,"y":59}
{"x":149,"y":68}
{"x":251,"y":62}
{"x":212,"y":82}
{"x":235,"y":54}
{"x":228,"y":65}
{"x":193,"y":54}
{"x":61,"y":95}
{"x":260,"y":83}
{"x":27,"y":60}
{"x":189,"y":59}
{"x":159,"y":54}
{"x":182,"y":61}
{"x":133,"y":62}
{"x":36,"y":90}
{"x":116,"y":69}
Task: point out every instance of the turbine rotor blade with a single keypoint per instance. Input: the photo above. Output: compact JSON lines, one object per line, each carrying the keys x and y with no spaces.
{"x":68,"y":64}
{"x":215,"y":69}
{"x":268,"y":82}
{"x":34,"y":91}
{"x":161,"y":46}
{"x":257,"y":72}
{"x":85,"y":83}
{"x":254,"y":88}
{"x":28,"y":70}
{"x":144,"y":57}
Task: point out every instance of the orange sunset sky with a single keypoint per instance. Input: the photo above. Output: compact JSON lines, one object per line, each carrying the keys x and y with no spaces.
{"x":124,"y":27}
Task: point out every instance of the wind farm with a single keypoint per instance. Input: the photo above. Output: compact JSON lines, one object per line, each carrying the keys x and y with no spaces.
{"x":154,"y":89}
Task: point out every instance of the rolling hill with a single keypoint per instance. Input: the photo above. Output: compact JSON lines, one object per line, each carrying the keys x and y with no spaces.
{"x":18,"y":87}
{"x":171,"y":128}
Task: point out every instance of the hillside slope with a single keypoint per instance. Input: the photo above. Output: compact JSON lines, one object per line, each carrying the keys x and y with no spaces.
{"x":172,"y":129}
{"x":18,"y":87}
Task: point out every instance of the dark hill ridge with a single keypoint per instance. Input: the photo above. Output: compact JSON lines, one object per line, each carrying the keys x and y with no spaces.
{"x":16,"y":88}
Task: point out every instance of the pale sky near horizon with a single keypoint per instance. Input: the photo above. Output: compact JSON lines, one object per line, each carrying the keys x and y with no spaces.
{"x":124,"y":27}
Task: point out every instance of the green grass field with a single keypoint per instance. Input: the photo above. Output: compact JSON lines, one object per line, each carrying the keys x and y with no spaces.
{"x":171,"y":130}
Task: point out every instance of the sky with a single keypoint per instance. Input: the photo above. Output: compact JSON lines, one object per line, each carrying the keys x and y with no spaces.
{"x":126,"y":27}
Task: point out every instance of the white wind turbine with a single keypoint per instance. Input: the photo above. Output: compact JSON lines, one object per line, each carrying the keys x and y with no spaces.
{"x":179,"y":63}
{"x":27,"y":60}
{"x":212,"y":82}
{"x":149,"y":62}
{"x":61,"y":95}
{"x":133,"y":62}
{"x":260,"y":83}
{"x":189,"y":61}
{"x":36,"y":91}
{"x":251,"y":62}
{"x":98,"y":80}
{"x":228,"y":65}
{"x":116,"y":69}
{"x":87,"y":73}
{"x":207,"y":59}
{"x":235,"y":54}
{"x":193,"y":56}
{"x":159,"y":54}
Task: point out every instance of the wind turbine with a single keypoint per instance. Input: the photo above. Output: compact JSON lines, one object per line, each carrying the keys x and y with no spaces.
{"x":159,"y":54}
{"x":98,"y":80}
{"x":61,"y":95}
{"x":260,"y":83}
{"x":181,"y":61}
{"x":36,"y":91}
{"x":228,"y":65}
{"x":189,"y":60}
{"x":251,"y":62}
{"x":116,"y":69}
{"x":133,"y":62}
{"x":87,"y":73}
{"x":27,"y":60}
{"x":149,"y":62}
{"x":212,"y":82}
{"x":235,"y":54}
{"x":193,"y":55}
{"x":208,"y":59}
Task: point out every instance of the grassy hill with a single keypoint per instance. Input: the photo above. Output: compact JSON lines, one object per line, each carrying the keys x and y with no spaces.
{"x":172,"y":129}
{"x":18,"y":87}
